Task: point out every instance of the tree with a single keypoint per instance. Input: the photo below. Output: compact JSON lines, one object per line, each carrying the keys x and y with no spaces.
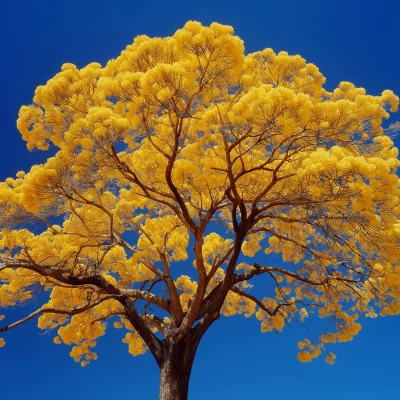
{"x":185,"y":150}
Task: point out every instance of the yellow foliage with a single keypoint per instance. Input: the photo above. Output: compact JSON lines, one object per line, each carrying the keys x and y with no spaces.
{"x":186,"y":148}
{"x":304,"y":356}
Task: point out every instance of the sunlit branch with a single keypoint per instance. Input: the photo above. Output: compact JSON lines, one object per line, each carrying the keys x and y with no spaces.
{"x":259,"y":270}
{"x":150,"y":297}
{"x":154,"y":321}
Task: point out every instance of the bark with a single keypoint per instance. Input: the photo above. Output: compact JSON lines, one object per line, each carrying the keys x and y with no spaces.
{"x":175,"y":368}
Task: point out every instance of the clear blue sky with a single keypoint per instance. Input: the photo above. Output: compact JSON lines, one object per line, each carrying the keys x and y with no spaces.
{"x":355,"y":41}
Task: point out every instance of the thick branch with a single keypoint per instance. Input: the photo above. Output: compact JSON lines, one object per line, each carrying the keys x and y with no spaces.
{"x":150,"y":297}
{"x":100,"y":282}
{"x":153,"y":320}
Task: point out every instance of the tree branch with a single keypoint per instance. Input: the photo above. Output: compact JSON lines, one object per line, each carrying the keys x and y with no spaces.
{"x":45,"y":310}
{"x":100,"y":282}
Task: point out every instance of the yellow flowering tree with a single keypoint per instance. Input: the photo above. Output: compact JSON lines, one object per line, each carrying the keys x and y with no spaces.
{"x":184,"y":150}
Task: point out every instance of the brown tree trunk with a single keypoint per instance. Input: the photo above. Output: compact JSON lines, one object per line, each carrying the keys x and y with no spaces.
{"x":175,"y":369}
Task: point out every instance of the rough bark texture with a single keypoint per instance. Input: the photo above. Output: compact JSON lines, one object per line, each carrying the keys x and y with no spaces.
{"x":175,"y":369}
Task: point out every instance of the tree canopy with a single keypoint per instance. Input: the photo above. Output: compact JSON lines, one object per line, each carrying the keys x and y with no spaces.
{"x":179,"y":164}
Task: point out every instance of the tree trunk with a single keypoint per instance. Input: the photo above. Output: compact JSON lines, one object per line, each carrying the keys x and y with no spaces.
{"x":175,"y":369}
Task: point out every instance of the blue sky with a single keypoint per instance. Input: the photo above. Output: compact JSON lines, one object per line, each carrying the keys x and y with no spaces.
{"x":348,"y":40}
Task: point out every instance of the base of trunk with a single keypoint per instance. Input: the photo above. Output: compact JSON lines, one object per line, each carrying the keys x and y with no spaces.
{"x":175,"y":370}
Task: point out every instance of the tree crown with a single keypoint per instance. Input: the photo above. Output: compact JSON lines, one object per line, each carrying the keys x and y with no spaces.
{"x":185,"y":151}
